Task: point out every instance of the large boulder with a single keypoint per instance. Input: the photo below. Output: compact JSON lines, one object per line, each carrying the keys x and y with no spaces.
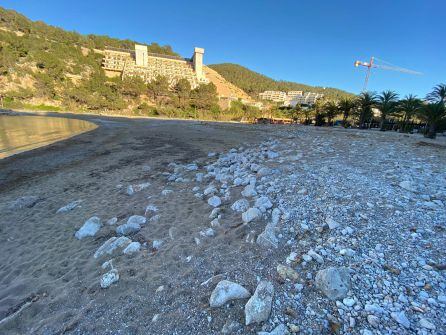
{"x":225,"y":291}
{"x":258,"y":307}
{"x":333,"y":282}
{"x":90,"y":228}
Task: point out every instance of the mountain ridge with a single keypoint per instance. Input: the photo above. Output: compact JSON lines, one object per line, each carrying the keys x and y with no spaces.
{"x":253,"y":82}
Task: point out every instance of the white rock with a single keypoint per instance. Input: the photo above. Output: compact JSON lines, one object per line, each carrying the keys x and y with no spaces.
{"x":251,"y":214}
{"x":268,"y":239}
{"x":191,"y":167}
{"x":208,"y":232}
{"x":401,"y":318}
{"x":166,"y":192}
{"x":442,"y":298}
{"x":332,"y":224}
{"x":69,"y":207}
{"x":109,"y":278}
{"x":156,"y":244}
{"x":214,"y":201}
{"x":427,"y":324}
{"x":27,"y":201}
{"x":292,"y":257}
{"x":333,"y":282}
{"x":128,"y":228}
{"x":107,"y":264}
{"x":151,"y":209}
{"x":263,"y":203}
{"x":373,"y":320}
{"x":226,"y":291}
{"x":136,"y":219}
{"x":373,"y":308}
{"x":215,"y":223}
{"x":111,"y":245}
{"x":347,"y":252}
{"x":279,"y":330}
{"x":132,"y":248}
{"x":90,"y":228}
{"x":214,"y":213}
{"x":112,"y":221}
{"x":349,"y":302}
{"x":249,"y":191}
{"x":240,"y":205}
{"x":307,"y":258}
{"x":238,"y":181}
{"x":132,"y":189}
{"x":272,"y":154}
{"x":258,"y":307}
{"x":264,"y":171}
{"x":275,"y":216}
{"x":210,"y":190}
{"x":313,"y":254}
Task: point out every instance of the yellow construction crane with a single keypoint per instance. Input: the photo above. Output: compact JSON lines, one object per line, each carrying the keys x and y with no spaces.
{"x":380,"y":64}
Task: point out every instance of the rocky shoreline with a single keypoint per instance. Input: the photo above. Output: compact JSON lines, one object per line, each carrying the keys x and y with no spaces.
{"x":308,"y":232}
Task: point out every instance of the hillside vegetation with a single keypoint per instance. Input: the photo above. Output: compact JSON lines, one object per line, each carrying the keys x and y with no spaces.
{"x":42,"y":64}
{"x":45,"y":67}
{"x":253,"y":83}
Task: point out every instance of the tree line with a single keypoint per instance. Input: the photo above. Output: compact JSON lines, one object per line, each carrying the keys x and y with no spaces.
{"x":254,"y":83}
{"x":359,"y":111}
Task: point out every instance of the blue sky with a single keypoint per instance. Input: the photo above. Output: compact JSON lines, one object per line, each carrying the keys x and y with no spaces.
{"x":313,"y":42}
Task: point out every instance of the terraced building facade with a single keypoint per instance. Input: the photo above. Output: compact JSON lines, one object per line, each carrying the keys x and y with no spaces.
{"x":141,"y":63}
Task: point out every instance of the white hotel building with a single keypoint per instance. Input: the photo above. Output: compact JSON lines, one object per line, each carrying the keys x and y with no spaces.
{"x":291,"y":98}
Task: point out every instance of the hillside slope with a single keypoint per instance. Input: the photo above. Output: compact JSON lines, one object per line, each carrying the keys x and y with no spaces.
{"x":224,"y":87}
{"x":253,"y":83}
{"x":42,"y":64}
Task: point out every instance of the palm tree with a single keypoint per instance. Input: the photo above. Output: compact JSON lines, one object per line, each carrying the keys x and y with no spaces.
{"x":432,"y":113}
{"x":346,"y":106}
{"x":318,"y":109}
{"x":438,"y":94}
{"x":408,"y":107}
{"x":306,"y":113}
{"x":296,"y":112}
{"x":331,"y":110}
{"x":365,"y":101}
{"x":387,"y":104}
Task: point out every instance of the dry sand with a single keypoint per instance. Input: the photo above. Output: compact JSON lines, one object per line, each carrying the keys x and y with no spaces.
{"x":44,"y":269}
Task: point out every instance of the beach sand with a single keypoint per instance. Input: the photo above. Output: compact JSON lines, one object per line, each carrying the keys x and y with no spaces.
{"x":386,"y":188}
{"x":54,"y":276}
